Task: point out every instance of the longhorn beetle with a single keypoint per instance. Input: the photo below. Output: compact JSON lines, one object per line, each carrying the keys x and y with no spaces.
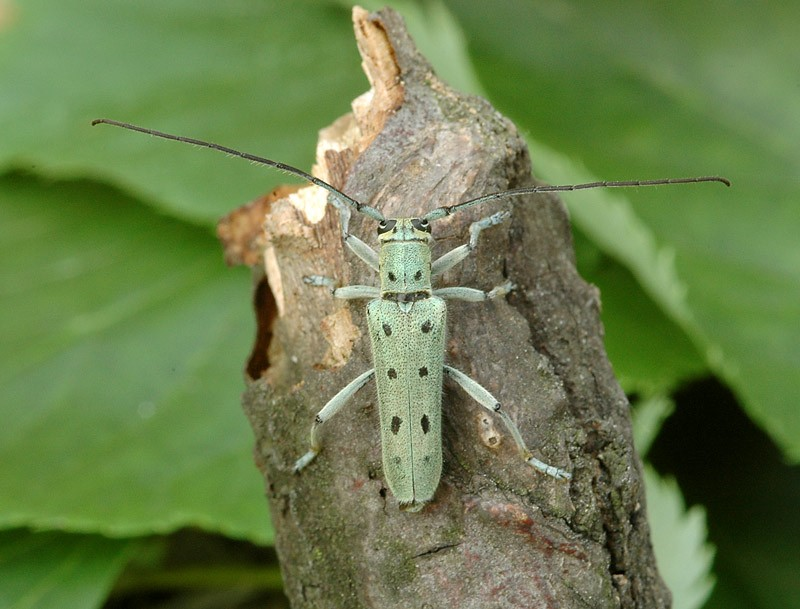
{"x":406,"y":319}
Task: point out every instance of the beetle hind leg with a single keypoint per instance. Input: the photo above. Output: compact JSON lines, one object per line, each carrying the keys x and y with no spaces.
{"x":331,"y":408}
{"x":488,"y":401}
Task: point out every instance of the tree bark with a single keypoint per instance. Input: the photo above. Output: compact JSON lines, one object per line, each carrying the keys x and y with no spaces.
{"x":497,"y":534}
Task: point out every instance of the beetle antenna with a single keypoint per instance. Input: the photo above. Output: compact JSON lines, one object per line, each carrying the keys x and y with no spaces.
{"x":338,"y":194}
{"x":441,"y":212}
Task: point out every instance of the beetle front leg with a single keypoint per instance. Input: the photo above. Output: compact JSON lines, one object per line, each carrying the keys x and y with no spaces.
{"x":331,"y":408}
{"x":356,"y":245}
{"x":490,"y":403}
{"x":454,"y":256}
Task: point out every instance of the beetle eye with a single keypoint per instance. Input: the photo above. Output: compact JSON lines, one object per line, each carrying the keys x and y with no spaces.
{"x":421,"y":224}
{"x":384,"y":226}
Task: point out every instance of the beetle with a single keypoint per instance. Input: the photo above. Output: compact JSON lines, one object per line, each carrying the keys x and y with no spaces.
{"x":406,"y":319}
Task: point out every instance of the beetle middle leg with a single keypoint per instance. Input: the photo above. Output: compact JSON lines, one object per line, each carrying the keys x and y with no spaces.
{"x":347,"y":292}
{"x":490,"y":403}
{"x":472,"y":294}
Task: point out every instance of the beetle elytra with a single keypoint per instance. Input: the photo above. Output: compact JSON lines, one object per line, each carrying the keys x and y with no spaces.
{"x":406,"y":320}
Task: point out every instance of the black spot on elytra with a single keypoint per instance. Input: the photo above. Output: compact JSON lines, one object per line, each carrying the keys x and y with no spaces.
{"x":397,"y":460}
{"x":426,"y":458}
{"x":423,"y":371}
{"x":396,"y":421}
{"x":426,"y":327}
{"x":418,"y":275}
{"x":392,"y":277}
{"x":426,"y":424}
{"x":392,"y":373}
{"x":387,"y":329}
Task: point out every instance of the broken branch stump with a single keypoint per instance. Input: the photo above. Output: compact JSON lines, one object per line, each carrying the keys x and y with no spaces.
{"x":497,"y":534}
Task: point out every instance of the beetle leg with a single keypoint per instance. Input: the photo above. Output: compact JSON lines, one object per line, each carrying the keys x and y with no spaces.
{"x":331,"y":408}
{"x":454,"y":256}
{"x":356,"y":245}
{"x":348,"y":292}
{"x":488,"y":401}
{"x":473,"y":295}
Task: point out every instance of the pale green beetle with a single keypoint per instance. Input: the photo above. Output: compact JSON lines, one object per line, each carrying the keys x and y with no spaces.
{"x":407,"y":322}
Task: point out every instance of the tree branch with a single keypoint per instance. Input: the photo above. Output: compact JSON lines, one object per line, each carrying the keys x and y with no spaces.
{"x":497,"y":534}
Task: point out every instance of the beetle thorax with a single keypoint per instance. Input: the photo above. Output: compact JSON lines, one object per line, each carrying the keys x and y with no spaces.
{"x":405,"y":259}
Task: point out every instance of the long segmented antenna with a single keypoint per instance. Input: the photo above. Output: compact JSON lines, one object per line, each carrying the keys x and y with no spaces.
{"x":359,"y":207}
{"x":439,"y":212}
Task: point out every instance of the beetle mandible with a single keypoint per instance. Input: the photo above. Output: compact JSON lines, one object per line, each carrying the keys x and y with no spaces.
{"x":406,"y":319}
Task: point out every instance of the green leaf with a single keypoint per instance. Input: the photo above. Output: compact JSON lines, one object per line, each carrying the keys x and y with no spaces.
{"x":648,"y":415}
{"x":57,"y":571}
{"x":642,"y":91}
{"x":649,"y":351}
{"x":120,"y":367}
{"x":679,"y":540}
{"x":124,"y":337}
{"x":254,"y":75}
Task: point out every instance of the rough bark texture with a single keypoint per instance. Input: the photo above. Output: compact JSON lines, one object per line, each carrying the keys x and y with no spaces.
{"x":498,"y":534}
